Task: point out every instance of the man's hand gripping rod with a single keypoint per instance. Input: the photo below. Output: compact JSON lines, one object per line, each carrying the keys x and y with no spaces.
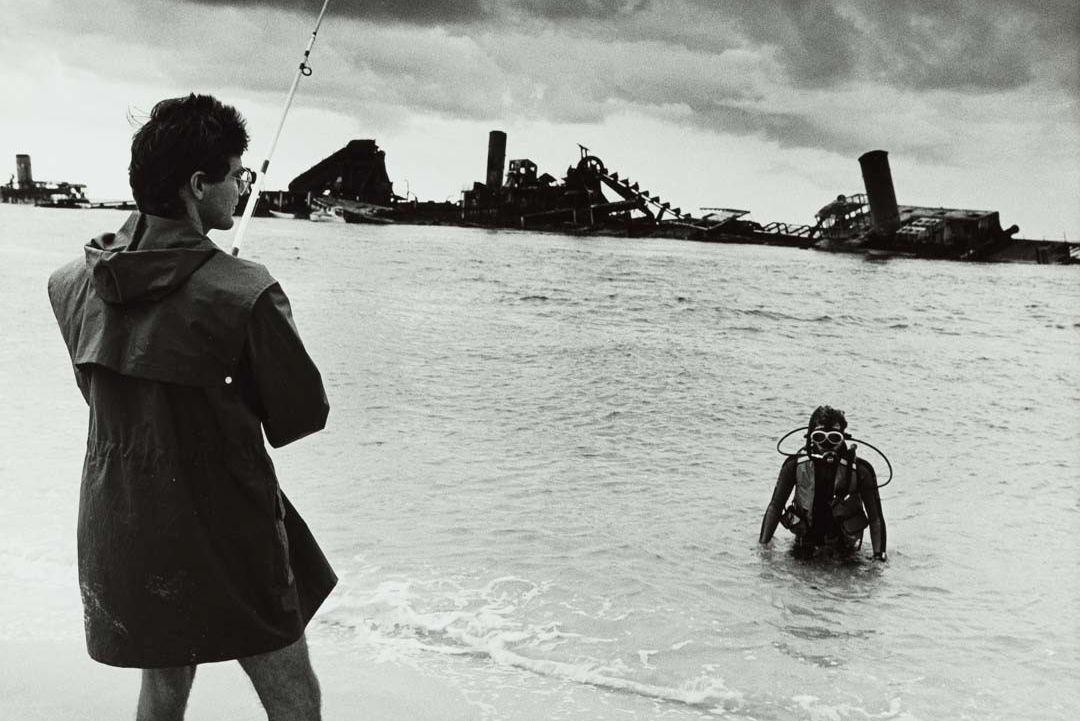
{"x":253,"y":198}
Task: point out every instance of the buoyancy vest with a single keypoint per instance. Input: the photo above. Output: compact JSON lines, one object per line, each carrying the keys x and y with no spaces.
{"x":845,"y":484}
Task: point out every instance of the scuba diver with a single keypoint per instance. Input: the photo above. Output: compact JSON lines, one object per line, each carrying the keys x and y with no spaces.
{"x":832,"y":487}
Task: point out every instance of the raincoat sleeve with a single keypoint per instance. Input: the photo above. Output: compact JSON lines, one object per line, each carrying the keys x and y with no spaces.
{"x":290,"y":397}
{"x":784,"y":485}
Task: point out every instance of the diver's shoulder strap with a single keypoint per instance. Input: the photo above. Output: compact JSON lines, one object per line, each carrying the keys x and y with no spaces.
{"x":847,"y":475}
{"x":804,"y":485}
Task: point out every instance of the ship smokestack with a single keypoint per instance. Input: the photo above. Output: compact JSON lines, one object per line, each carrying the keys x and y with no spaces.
{"x":496,"y":159}
{"x":24,"y":176}
{"x":879,"y":191}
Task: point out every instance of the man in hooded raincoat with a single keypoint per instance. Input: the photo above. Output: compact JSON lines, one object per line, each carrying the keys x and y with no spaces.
{"x":188,"y":550}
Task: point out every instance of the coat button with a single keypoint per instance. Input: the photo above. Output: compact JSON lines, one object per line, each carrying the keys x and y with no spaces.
{"x":228,"y":379}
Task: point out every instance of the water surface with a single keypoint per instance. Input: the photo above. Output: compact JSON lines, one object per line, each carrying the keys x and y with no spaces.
{"x":547,"y":460}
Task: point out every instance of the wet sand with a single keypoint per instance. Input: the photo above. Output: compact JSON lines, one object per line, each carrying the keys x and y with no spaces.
{"x":48,"y":680}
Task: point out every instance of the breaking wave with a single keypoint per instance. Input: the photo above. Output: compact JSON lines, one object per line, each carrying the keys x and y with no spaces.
{"x":482,"y":623}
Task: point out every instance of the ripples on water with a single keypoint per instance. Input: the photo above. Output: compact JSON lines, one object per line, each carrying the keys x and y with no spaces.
{"x":548,"y":457}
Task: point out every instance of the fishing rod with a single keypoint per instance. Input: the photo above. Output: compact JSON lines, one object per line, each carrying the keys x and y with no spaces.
{"x":303,"y":71}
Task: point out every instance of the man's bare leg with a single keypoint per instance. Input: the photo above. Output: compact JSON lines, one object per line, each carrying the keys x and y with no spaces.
{"x":286,"y":683}
{"x":164,"y":693}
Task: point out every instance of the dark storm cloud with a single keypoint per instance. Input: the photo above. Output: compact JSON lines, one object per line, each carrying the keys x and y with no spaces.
{"x":409,"y":11}
{"x":787,"y":129}
{"x":976,"y":46}
{"x":429,"y":12}
{"x":840,"y":75}
{"x":795,"y":130}
{"x":966,"y":45}
{"x":816,"y":44}
{"x":571,"y":9}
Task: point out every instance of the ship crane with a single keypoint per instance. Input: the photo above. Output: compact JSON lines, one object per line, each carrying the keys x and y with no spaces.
{"x":631,"y":193}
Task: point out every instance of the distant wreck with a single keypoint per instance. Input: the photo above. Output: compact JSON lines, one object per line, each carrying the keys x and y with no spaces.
{"x":579,"y":204}
{"x":22,"y":188}
{"x":874,"y":224}
{"x":352,"y":185}
{"x":870,"y":223}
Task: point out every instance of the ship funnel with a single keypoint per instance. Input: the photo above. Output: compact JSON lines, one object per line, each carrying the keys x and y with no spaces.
{"x":24,"y":176}
{"x":496,"y":159}
{"x":879,"y":191}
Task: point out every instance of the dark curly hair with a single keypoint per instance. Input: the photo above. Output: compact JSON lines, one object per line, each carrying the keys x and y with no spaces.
{"x":827,"y":416}
{"x":182,"y":136}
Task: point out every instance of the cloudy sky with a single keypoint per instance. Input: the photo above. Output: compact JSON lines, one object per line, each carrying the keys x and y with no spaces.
{"x":753,"y":104}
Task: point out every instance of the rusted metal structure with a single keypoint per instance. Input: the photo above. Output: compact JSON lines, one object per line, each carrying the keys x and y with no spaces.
{"x":357,"y":173}
{"x":24,"y":171}
{"x":877,"y":177}
{"x":593,"y":198}
{"x":22,"y":188}
{"x":875,"y":222}
{"x":496,"y":158}
{"x":527,"y":198}
{"x":844,"y":218}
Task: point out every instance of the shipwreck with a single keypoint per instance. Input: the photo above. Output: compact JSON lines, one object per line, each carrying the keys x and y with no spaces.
{"x":22,"y":188}
{"x":874,"y":223}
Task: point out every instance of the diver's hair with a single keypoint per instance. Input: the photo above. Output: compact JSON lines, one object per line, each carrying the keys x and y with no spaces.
{"x":182,"y":136}
{"x":827,"y":416}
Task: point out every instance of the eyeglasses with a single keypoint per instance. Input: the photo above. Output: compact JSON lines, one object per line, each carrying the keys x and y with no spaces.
{"x":245,"y":178}
{"x":834,"y":438}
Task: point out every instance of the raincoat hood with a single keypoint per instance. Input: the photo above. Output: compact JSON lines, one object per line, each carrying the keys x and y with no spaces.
{"x":148,"y":258}
{"x":157,"y":300}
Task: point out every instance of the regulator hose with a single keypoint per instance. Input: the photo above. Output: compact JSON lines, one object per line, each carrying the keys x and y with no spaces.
{"x":859,"y":440}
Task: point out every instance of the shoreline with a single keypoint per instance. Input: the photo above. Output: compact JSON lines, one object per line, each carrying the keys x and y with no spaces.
{"x":49,"y":679}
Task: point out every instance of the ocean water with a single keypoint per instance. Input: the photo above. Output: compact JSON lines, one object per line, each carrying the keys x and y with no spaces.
{"x":548,"y":457}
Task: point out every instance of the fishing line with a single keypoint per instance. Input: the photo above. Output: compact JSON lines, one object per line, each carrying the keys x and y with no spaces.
{"x":852,"y":438}
{"x":303,"y":71}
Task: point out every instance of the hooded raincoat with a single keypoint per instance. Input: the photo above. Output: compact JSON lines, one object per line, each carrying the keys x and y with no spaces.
{"x":188,"y":550}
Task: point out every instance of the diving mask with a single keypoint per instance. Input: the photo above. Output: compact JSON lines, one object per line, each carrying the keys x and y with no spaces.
{"x":832,"y":438}
{"x":825,"y":444}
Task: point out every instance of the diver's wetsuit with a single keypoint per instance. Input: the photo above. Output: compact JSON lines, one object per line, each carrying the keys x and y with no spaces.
{"x":824,"y":526}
